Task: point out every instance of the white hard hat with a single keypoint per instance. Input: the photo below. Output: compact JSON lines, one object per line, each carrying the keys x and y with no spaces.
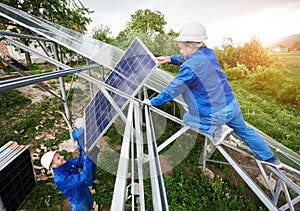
{"x":193,"y":32}
{"x":47,"y":158}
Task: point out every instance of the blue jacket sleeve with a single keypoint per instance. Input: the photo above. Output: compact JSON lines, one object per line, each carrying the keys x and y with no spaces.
{"x":175,"y":88}
{"x":177,"y":59}
{"x":75,"y":180}
{"x":78,"y":135}
{"x":78,"y":162}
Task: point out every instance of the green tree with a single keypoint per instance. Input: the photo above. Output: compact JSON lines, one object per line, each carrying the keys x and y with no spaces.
{"x":102,"y":33}
{"x":68,"y":13}
{"x":148,"y":26}
{"x":164,"y":44}
{"x":296,"y":45}
{"x":173,"y":33}
{"x":144,"y":22}
{"x":253,"y":54}
{"x":228,"y":56}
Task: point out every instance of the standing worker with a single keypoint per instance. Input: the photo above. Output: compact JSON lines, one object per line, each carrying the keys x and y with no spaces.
{"x":72,"y":183}
{"x":212,"y":106}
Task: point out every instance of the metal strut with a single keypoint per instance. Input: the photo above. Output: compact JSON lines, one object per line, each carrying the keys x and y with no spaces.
{"x":133,"y":152}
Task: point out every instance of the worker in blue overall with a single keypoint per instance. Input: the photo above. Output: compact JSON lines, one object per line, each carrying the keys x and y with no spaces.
{"x":72,"y":183}
{"x":212,"y":106}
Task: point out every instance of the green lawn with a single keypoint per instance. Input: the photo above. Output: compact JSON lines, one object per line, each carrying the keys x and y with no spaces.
{"x":279,"y":120}
{"x":295,"y":73}
{"x":288,"y":59}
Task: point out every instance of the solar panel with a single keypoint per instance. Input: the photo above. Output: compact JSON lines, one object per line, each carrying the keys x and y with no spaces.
{"x":128,"y":76}
{"x":16,"y":175}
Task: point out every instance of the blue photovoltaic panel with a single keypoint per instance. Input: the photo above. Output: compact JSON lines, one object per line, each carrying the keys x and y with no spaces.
{"x":98,"y":114}
{"x":128,"y":76}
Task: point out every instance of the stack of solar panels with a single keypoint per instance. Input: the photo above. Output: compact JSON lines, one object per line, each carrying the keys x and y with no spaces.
{"x":17,"y":177}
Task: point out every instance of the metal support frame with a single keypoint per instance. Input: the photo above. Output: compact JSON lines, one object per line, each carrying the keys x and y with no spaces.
{"x":24,"y":74}
{"x":14,"y":34}
{"x":158,"y":189}
{"x":133,"y":149}
{"x":140,"y":153}
{"x":28,"y":80}
{"x":30,"y":50}
{"x":119,"y":196}
{"x":280,"y":176}
{"x":238,"y":146}
{"x":20,"y":82}
{"x":133,"y":152}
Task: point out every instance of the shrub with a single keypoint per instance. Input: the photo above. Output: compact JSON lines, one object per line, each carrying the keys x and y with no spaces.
{"x":251,"y":55}
{"x":268,"y":79}
{"x":228,"y":56}
{"x":276,"y":81}
{"x":171,"y":68}
{"x":289,"y":93}
{"x":254,"y":54}
{"x":237,"y":73}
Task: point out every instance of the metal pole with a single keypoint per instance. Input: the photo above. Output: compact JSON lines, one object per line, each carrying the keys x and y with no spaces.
{"x":28,"y":80}
{"x":62,"y":85}
{"x":139,"y":152}
{"x":119,"y":196}
{"x":90,"y":83}
{"x":157,"y":183}
{"x":262,"y":196}
{"x":14,"y":34}
{"x":204,"y":154}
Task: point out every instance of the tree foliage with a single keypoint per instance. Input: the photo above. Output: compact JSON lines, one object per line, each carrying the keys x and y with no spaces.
{"x":253,"y":54}
{"x":144,"y":22}
{"x":229,"y":55}
{"x":149,"y":27}
{"x":68,"y":13}
{"x":102,"y":33}
{"x":296,"y":45}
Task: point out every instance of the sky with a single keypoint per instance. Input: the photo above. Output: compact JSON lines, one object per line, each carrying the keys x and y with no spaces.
{"x":240,"y":20}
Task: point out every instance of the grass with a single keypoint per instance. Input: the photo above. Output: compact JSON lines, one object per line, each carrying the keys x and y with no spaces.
{"x":288,"y":59}
{"x":278,"y":120}
{"x":295,"y":73}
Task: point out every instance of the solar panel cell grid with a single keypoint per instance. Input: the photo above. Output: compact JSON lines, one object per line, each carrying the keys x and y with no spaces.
{"x":128,"y":77}
{"x":16,"y":180}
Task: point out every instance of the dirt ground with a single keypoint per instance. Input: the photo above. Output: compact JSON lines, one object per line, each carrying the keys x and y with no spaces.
{"x":33,"y":93}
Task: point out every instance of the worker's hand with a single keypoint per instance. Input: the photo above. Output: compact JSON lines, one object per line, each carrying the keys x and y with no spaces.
{"x":163,"y":59}
{"x":146,"y":102}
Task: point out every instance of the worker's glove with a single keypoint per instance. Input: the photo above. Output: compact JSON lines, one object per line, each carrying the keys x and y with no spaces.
{"x":146,"y":102}
{"x":78,"y":135}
